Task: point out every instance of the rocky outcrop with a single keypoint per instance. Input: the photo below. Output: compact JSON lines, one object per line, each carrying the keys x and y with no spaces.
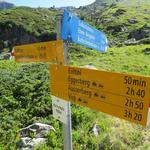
{"x":140,"y":33}
{"x":146,"y":51}
{"x":25,"y":25}
{"x":133,"y":21}
{"x":132,"y":42}
{"x":96,"y":130}
{"x":90,"y":66}
{"x":117,"y":28}
{"x":119,"y":12}
{"x":33,"y":135}
{"x":15,"y":34}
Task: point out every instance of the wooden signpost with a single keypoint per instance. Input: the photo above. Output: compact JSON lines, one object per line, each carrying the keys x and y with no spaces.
{"x":122,"y":95}
{"x":40,"y":52}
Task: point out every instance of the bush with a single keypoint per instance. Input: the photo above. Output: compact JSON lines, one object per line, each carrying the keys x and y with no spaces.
{"x":24,"y":99}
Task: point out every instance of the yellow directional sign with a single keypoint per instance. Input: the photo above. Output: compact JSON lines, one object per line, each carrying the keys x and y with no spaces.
{"x":40,"y":52}
{"x":122,"y":95}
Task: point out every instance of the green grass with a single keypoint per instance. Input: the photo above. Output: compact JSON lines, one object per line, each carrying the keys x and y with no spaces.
{"x":129,"y":59}
{"x":29,"y":18}
{"x":132,"y":10}
{"x":119,"y":134}
{"x":8,"y":65}
{"x":38,"y":22}
{"x":29,"y":100}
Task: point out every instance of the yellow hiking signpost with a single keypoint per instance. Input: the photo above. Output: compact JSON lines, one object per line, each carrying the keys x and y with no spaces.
{"x":122,"y":95}
{"x":40,"y":52}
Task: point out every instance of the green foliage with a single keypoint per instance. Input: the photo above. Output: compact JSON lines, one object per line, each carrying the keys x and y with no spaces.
{"x":24,"y":99}
{"x":119,"y":26}
{"x":8,"y":65}
{"x":128,"y":59}
{"x":39,"y":23}
{"x":116,"y":20}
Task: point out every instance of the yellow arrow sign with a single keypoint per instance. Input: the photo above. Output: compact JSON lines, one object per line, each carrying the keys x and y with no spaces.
{"x":40,"y":52}
{"x":122,"y":95}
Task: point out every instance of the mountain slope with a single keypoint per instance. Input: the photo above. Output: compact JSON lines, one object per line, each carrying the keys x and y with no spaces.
{"x":26,"y":25}
{"x":5,"y":5}
{"x":126,"y":22}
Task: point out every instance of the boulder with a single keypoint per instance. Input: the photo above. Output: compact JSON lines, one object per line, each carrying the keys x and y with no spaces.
{"x":132,"y":21}
{"x":39,"y":129}
{"x":26,"y":143}
{"x":29,"y":143}
{"x":119,"y":12}
{"x":132,"y":42}
{"x":146,"y":51}
{"x":96,"y":130}
{"x":34,"y":135}
{"x":89,"y":66}
{"x":140,"y":33}
{"x":107,"y":20}
{"x":117,"y":28}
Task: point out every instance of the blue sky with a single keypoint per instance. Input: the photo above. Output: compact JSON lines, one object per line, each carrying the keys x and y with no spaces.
{"x":49,"y":3}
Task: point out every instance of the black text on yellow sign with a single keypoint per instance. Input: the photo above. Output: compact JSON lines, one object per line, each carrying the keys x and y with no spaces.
{"x":122,"y":95}
{"x":40,"y":52}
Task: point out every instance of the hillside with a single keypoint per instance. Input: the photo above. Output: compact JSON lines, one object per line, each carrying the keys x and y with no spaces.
{"x":125,"y":22}
{"x":25,"y":99}
{"x":27,"y":25}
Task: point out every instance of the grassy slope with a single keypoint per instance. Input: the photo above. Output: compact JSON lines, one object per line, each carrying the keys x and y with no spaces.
{"x":110,"y":23}
{"x":114,"y":133}
{"x":31,"y":19}
{"x":129,"y":59}
{"x":34,"y":21}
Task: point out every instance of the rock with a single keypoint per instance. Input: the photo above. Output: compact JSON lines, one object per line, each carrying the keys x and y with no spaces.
{"x":132,"y":42}
{"x":141,"y":33}
{"x":147,"y":51}
{"x":38,"y":141}
{"x":96,"y":130}
{"x":132,"y":21}
{"x":46,"y":16}
{"x":117,"y":28}
{"x":6,"y":56}
{"x":123,"y":28}
{"x":107,"y":20}
{"x":119,"y":12}
{"x":90,"y":67}
{"x":39,"y":129}
{"x":34,"y":135}
{"x":29,"y":143}
{"x":26,"y":143}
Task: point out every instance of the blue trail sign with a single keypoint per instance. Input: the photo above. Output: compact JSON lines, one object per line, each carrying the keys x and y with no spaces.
{"x":77,"y":31}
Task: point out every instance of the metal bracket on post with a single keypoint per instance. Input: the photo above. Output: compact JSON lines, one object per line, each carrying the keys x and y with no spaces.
{"x":67,"y":128}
